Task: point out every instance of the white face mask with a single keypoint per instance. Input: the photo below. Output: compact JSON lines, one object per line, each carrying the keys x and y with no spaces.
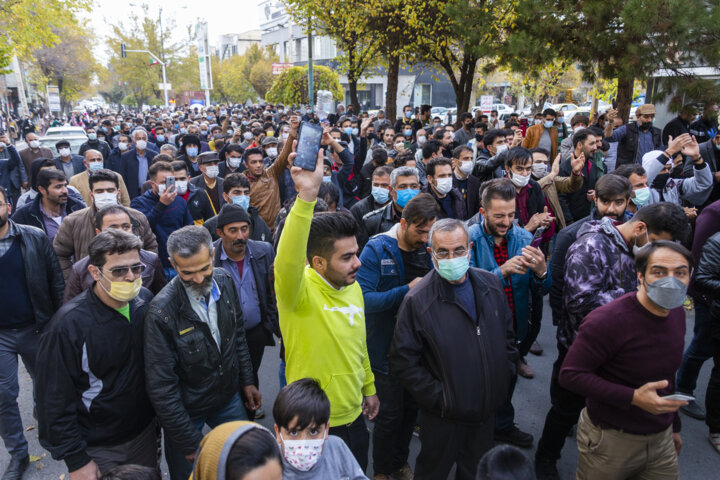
{"x":302,"y":454}
{"x":520,"y":180}
{"x":421,"y":140}
{"x":141,"y":144}
{"x":34,"y":143}
{"x":466,"y":167}
{"x":539,"y":170}
{"x":122,"y":146}
{"x":64,"y":152}
{"x":271,"y":152}
{"x":444,"y":185}
{"x":181,"y":186}
{"x":234,"y":161}
{"x":161,"y":188}
{"x":500,"y":149}
{"x":285,"y":136}
{"x":577,"y":129}
{"x":399,"y":145}
{"x":212,"y":171}
{"x":247,"y":136}
{"x":104,"y":199}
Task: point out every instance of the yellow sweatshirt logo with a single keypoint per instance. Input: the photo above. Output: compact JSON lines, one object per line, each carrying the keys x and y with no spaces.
{"x":351,"y":310}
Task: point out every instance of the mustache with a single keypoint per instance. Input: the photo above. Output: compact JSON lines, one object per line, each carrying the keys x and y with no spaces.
{"x":239,"y":242}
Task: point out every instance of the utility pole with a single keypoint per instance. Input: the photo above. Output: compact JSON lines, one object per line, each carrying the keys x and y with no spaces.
{"x":165,"y":88}
{"x":310,"y":66}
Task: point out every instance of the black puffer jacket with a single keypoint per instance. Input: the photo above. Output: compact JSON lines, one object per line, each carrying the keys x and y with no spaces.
{"x":458,"y":368}
{"x":44,"y":277}
{"x":187,"y":376}
{"x":707,"y":276}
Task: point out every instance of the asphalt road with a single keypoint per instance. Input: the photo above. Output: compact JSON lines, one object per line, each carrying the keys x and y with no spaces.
{"x":698,"y":460}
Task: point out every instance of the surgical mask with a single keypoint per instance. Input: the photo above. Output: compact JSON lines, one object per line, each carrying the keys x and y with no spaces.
{"x":192,"y":151}
{"x":183,"y":130}
{"x":123,"y":291}
{"x":717,"y":146}
{"x":500,"y":149}
{"x":95,"y":166}
{"x":64,"y":152}
{"x":380,"y":194}
{"x":34,"y":143}
{"x":122,"y":145}
{"x":203,"y":132}
{"x":327,"y":178}
{"x":404,"y":196}
{"x":104,"y":199}
{"x":248,"y":136}
{"x":642,"y":196}
{"x":161,"y":188}
{"x":453,"y":269}
{"x":212,"y":171}
{"x":92,"y":136}
{"x":548,"y":123}
{"x":234,"y":161}
{"x":242,"y":200}
{"x":348,"y":130}
{"x":537,"y":121}
{"x":520,"y":180}
{"x":270,"y":133}
{"x":667,"y":292}
{"x":421,"y":140}
{"x":271,"y":152}
{"x":408,"y":132}
{"x":355,"y":131}
{"x":577,"y":129}
{"x":285,"y":136}
{"x":399,"y":145}
{"x":302,"y":454}
{"x":637,"y":250}
{"x":160,"y":138}
{"x":466,"y":167}
{"x":181,"y":186}
{"x":244,"y":122}
{"x":408,"y":114}
{"x":539,"y":170}
{"x":141,"y":144}
{"x":230,"y":131}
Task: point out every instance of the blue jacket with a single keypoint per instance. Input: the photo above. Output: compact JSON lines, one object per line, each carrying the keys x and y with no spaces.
{"x":163,"y":220}
{"x":382,"y":279}
{"x":482,"y":256}
{"x":128,"y":168}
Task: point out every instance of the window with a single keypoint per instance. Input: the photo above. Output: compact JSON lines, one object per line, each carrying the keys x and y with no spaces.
{"x":423,"y":94}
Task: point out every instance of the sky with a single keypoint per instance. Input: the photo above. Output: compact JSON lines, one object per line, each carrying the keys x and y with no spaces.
{"x":223,"y":16}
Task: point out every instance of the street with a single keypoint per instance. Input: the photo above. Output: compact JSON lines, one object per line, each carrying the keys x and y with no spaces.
{"x":697,"y":461}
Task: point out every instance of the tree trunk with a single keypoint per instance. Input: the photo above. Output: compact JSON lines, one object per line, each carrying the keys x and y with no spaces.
{"x":392,"y":86}
{"x":352,"y":86}
{"x":463,"y":88}
{"x":624,"y":97}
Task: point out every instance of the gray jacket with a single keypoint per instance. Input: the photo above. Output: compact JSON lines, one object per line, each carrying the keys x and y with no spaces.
{"x":694,"y":191}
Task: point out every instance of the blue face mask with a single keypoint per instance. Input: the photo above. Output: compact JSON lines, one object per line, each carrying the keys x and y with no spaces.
{"x":548,"y":123}
{"x":327,"y":178}
{"x":160,"y":138}
{"x":408,"y":133}
{"x":92,"y":136}
{"x":380,"y":195}
{"x":453,"y":269}
{"x":408,"y":114}
{"x":404,"y":196}
{"x":348,"y":130}
{"x":183,"y":130}
{"x":242,"y":200}
{"x":95,"y":166}
{"x":192,"y":151}
{"x":642,"y":196}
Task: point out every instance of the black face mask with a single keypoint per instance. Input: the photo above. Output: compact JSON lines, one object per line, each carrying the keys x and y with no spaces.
{"x":660,"y":181}
{"x":645,"y":126}
{"x":478,"y":137}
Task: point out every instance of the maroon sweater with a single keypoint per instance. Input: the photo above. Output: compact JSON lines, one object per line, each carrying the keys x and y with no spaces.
{"x":620,"y":347}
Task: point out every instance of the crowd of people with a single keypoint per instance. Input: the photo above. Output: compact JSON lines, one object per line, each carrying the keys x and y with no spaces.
{"x":404,"y":278}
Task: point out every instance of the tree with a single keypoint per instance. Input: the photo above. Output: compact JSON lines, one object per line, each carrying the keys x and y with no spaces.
{"x":231,"y":84}
{"x":27,"y":25}
{"x":291,"y":86}
{"x":540,"y":83}
{"x":69,"y":64}
{"x":622,"y":40}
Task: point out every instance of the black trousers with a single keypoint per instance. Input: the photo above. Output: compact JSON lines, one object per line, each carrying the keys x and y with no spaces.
{"x":394,"y":425}
{"x":256,"y":338}
{"x":563,"y":414}
{"x":357,"y":437}
{"x":712,"y":395}
{"x":446,"y":443}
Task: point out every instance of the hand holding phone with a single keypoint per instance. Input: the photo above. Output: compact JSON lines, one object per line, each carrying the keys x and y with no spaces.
{"x":308,"y":146}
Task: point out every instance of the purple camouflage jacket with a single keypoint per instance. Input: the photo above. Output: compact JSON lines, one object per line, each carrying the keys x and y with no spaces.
{"x":599,"y":267}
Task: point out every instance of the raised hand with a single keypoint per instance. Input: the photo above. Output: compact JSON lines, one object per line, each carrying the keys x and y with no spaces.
{"x":578,"y":163}
{"x":307,"y":182}
{"x":677,"y":144}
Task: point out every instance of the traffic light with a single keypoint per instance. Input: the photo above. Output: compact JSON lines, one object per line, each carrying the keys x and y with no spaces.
{"x":122,"y":50}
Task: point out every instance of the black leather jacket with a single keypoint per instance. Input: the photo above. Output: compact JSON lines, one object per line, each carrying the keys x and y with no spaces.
{"x":188,"y":377}
{"x":43,"y":274}
{"x":707,"y":276}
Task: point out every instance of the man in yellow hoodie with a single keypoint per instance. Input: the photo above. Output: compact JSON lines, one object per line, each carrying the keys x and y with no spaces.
{"x":321,"y":310}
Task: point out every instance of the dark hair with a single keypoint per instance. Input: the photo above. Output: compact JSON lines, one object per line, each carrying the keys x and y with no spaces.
{"x":158,"y":167}
{"x":178,"y":165}
{"x":253,"y":151}
{"x":457,"y":151}
{"x":132,"y":472}
{"x":255,"y":448}
{"x":162,"y":157}
{"x":234,"y":147}
{"x":509,"y":124}
{"x":379,"y":156}
{"x":582,"y":135}
{"x":505,"y":462}
{"x":402,"y":158}
{"x":111,"y":241}
{"x":103,"y":175}
{"x":491,"y":135}
{"x":501,"y":188}
{"x":108,"y":210}
{"x":420,"y":210}
{"x":431,"y":147}
{"x":234,"y":180}
{"x":304,"y":399}
{"x":465,"y":116}
{"x":643,"y":257}
{"x":45,"y":178}
{"x":580,"y":119}
{"x":36,"y":166}
{"x":541,"y":151}
{"x":326,"y":228}
{"x":518,"y":156}
{"x":612,"y":186}
{"x":4,"y":193}
{"x":439,"y":134}
{"x":382,"y":171}
{"x":629,"y":169}
{"x":664,"y":217}
{"x":549,"y":111}
{"x":330,"y":193}
{"x":434,"y":163}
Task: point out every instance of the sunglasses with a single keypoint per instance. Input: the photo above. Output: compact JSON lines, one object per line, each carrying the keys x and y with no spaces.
{"x":120,"y":272}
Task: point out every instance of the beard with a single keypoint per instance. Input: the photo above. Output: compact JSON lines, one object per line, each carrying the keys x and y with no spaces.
{"x":199,"y":290}
{"x":3,"y":220}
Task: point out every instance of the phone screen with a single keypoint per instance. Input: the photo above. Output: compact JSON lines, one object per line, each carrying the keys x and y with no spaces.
{"x":169,"y":183}
{"x":308,"y":146}
{"x":537,"y":237}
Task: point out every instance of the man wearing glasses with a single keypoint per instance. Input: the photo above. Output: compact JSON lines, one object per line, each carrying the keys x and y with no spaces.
{"x":454,"y":351}
{"x":93,"y":410}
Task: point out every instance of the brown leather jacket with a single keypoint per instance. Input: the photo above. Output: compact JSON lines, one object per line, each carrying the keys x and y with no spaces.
{"x":533,"y":135}
{"x":551,"y":188}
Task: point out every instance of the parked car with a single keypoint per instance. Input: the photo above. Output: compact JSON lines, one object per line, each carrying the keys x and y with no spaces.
{"x":75,"y":142}
{"x":65,"y":131}
{"x":564,"y":107}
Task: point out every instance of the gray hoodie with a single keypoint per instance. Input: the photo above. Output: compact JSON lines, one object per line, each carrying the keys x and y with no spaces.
{"x":336,"y":462}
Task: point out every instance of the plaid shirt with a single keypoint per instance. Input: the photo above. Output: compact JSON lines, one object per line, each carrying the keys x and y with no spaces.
{"x":500,"y":252}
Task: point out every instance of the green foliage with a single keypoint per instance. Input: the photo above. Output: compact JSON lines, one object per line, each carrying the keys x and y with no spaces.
{"x":231,"y":84}
{"x":291,"y":87}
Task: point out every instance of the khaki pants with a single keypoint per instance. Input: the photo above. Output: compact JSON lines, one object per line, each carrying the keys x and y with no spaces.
{"x":606,"y":454}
